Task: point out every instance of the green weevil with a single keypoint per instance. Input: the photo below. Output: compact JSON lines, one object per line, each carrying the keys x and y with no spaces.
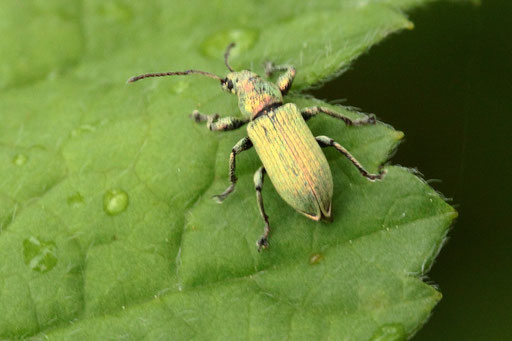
{"x":289,"y":152}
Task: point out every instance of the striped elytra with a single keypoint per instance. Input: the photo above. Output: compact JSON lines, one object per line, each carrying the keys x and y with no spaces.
{"x":293,"y":160}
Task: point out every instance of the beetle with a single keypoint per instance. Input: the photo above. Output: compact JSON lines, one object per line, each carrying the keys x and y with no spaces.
{"x":290,"y":154}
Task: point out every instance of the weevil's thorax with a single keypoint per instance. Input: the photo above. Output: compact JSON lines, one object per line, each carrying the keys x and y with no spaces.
{"x":254,"y":93}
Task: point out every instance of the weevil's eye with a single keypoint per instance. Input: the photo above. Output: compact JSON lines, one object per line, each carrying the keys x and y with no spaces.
{"x":229,"y":85}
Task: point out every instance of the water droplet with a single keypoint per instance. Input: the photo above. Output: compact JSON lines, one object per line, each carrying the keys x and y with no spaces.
{"x":84,"y":128}
{"x":74,"y":132}
{"x":215,"y":45}
{"x":87,"y":128}
{"x":39,"y":255}
{"x":115,"y":11}
{"x":76,"y":200}
{"x":316,"y":258}
{"x":180,"y":86}
{"x":115,"y":201}
{"x":20,"y":159}
{"x":389,"y":332}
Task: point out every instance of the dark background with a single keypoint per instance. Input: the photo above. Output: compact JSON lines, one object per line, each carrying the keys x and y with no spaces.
{"x":447,"y":85}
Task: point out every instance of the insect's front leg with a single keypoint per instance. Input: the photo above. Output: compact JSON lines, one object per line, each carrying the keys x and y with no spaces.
{"x":325,"y":141}
{"x":307,"y":113}
{"x":241,"y":145}
{"x":216,"y":123}
{"x":284,"y":82}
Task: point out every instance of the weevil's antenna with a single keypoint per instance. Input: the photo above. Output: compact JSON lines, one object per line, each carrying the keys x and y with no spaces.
{"x":173,"y":73}
{"x":226,"y":56}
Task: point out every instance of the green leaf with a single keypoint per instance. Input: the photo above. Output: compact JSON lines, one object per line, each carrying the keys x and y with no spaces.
{"x":107,"y":227}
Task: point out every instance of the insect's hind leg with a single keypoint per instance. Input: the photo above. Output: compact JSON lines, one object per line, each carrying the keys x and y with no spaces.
{"x":217,"y":123}
{"x":307,"y":113}
{"x":241,"y":145}
{"x":258,"y":185}
{"x":325,"y":141}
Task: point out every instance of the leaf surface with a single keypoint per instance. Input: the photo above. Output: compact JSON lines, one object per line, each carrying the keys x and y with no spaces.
{"x":107,"y":227}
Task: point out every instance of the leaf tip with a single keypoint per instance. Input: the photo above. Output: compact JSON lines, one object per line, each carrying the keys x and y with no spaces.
{"x":437,"y":296}
{"x":398,"y":135}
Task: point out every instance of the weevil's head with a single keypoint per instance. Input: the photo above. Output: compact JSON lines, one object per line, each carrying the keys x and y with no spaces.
{"x":230,"y":83}
{"x":239,"y":82}
{"x":254,"y":93}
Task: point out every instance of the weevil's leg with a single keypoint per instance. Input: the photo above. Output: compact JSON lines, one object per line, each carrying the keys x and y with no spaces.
{"x":217,"y":123}
{"x":284,"y":82}
{"x":307,"y":113}
{"x":258,"y":185}
{"x":325,"y":141}
{"x":241,"y":145}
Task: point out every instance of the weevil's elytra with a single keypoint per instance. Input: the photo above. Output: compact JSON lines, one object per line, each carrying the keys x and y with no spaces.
{"x":289,"y":152}
{"x":308,"y":188}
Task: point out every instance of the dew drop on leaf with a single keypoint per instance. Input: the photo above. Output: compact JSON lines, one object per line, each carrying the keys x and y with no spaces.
{"x":115,"y":11}
{"x":75,"y":200}
{"x":20,"y":159}
{"x":180,"y":86}
{"x":39,"y":255}
{"x":389,"y":332}
{"x":215,"y":45}
{"x":115,"y":201}
{"x":316,"y":258}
